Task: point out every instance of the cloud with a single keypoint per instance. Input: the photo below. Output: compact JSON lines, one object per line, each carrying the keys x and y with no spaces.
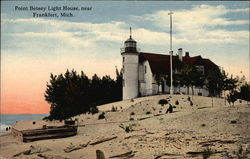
{"x":196,"y":25}
{"x":69,"y":38}
{"x":238,"y":10}
{"x":114,"y":28}
{"x":199,"y":16}
{"x":201,"y":24}
{"x":42,"y":35}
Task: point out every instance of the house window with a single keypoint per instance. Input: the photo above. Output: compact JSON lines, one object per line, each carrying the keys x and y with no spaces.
{"x":200,"y":69}
{"x":145,"y":69}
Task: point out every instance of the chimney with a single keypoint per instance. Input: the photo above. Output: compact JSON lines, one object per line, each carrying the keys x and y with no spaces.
{"x":187,"y":54}
{"x":180,"y":53}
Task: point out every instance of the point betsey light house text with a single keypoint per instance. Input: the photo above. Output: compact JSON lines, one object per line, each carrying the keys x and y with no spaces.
{"x":51,"y":8}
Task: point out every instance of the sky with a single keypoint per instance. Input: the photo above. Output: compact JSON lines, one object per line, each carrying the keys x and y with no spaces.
{"x":90,"y":41}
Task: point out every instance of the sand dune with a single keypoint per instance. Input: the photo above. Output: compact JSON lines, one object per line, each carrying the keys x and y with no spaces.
{"x":140,"y":129}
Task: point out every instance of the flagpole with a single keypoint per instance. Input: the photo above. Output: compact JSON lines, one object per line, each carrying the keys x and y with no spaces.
{"x":171,"y":54}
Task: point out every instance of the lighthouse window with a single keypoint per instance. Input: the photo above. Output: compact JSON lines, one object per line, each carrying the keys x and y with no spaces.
{"x":123,"y":83}
{"x":145,"y":69}
{"x":130,"y":45}
{"x":123,"y":59}
{"x":123,"y":69}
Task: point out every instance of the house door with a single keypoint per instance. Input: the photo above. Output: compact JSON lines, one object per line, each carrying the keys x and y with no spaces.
{"x":163,"y":86}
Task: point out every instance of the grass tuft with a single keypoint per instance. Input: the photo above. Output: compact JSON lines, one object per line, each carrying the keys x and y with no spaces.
{"x":101,"y":116}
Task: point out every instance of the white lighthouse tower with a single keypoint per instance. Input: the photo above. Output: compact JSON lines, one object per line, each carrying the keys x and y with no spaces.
{"x":130,"y":61}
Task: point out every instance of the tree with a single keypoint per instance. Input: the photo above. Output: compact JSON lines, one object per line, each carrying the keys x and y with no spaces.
{"x":232,"y":97}
{"x":108,"y":89}
{"x":160,"y":78}
{"x":197,"y":79}
{"x":225,"y":84}
{"x":177,"y":65}
{"x":67,"y":94}
{"x":70,"y":94}
{"x":231,"y":83}
{"x":244,"y":92}
{"x":118,"y":89}
{"x":95,"y":93}
{"x":214,"y":82}
{"x":184,"y":76}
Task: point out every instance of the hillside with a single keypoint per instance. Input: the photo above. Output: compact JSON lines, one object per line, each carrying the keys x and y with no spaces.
{"x":140,"y":128}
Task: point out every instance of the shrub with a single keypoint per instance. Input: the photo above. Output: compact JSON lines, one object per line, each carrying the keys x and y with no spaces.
{"x":240,"y":149}
{"x":191,"y":103}
{"x":132,"y":113}
{"x":132,"y":100}
{"x":232,"y":97}
{"x":241,"y":153}
{"x":163,"y":101}
{"x":113,"y":109}
{"x":153,"y":108}
{"x":46,"y":118}
{"x":127,"y":128}
{"x":131,"y":119}
{"x":69,"y":122}
{"x":189,"y":99}
{"x":233,"y":121}
{"x":176,"y":102}
{"x":94,"y":110}
{"x":160,"y":111}
{"x":207,"y":153}
{"x":148,"y":112}
{"x":101,"y":116}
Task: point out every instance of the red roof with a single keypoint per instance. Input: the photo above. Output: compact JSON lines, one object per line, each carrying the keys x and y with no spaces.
{"x":160,"y":64}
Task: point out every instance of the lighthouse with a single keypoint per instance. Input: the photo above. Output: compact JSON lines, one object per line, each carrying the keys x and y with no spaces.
{"x":130,"y":62}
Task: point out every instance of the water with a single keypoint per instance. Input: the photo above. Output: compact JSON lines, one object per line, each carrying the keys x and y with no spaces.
{"x":7,"y":120}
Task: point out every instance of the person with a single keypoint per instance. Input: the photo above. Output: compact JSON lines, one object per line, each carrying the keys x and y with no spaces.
{"x":170,"y":109}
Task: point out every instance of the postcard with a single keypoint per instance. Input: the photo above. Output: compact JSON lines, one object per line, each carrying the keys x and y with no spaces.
{"x":125,"y":79}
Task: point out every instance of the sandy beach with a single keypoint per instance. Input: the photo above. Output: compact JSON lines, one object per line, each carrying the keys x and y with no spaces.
{"x":141,"y":129}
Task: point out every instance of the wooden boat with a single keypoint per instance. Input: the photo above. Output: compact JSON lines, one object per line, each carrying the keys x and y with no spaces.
{"x":47,"y":132}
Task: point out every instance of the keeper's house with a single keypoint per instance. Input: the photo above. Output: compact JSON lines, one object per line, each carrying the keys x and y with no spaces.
{"x":140,"y":70}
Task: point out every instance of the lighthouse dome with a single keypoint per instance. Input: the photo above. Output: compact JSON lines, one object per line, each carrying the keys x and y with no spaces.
{"x":130,"y":43}
{"x":130,"y":39}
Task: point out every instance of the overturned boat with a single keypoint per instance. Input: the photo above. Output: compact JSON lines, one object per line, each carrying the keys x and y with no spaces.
{"x":28,"y":131}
